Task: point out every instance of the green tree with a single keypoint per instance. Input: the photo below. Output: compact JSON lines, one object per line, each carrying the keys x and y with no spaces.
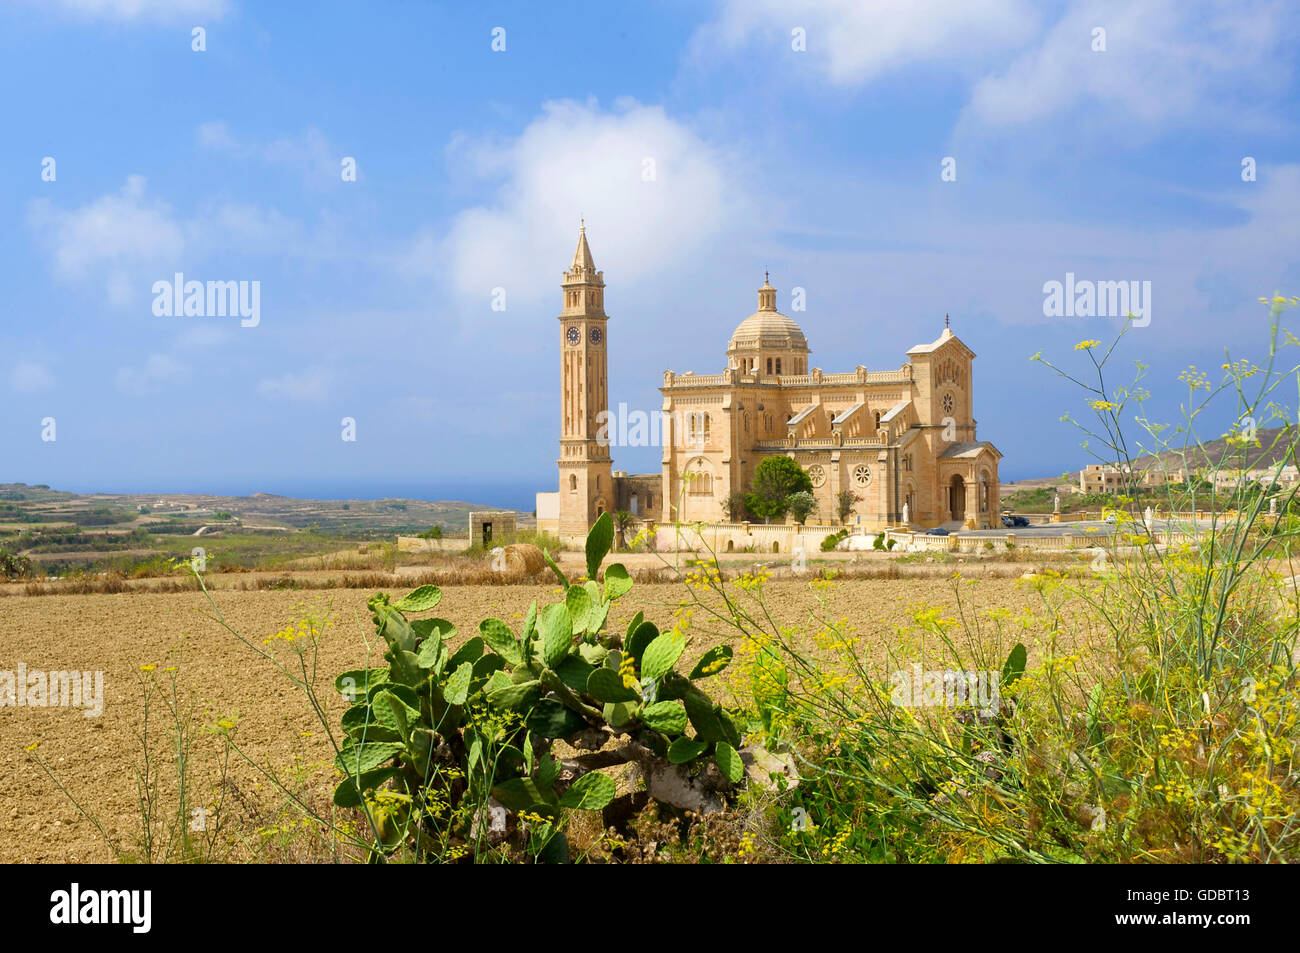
{"x":623,"y":521}
{"x":774,"y":481}
{"x":844,"y":502}
{"x":801,"y":505}
{"x":733,"y":508}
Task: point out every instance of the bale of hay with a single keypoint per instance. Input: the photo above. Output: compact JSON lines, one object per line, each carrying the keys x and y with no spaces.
{"x":524,"y":559}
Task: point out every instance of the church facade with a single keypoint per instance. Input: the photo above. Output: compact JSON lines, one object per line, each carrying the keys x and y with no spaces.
{"x":901,"y":442}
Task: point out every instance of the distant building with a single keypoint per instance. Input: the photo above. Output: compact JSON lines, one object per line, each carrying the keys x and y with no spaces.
{"x":486,"y":528}
{"x":1104,"y":478}
{"x":1159,"y":476}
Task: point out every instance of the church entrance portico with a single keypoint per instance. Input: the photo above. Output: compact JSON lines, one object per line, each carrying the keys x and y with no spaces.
{"x":957,"y":498}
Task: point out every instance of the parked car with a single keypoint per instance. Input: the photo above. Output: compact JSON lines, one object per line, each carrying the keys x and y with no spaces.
{"x":937,"y":531}
{"x":1012,"y":522}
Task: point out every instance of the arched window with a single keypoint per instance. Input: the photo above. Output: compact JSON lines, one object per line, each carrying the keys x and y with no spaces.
{"x":778,"y":365}
{"x":699,"y":478}
{"x":632,"y":505}
{"x":573,"y":481}
{"x":697,"y":428}
{"x":769,"y":365}
{"x":877,"y":420}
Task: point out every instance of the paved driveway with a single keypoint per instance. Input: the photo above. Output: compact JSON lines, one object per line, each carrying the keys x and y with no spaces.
{"x":1087,"y":528}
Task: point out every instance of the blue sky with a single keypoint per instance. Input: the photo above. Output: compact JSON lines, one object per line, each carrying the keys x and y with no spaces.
{"x":821,"y":165}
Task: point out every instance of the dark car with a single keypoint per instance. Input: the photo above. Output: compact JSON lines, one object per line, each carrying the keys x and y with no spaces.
{"x":937,"y":531}
{"x":1012,"y":522}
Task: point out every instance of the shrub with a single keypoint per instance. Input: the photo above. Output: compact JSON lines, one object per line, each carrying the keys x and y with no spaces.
{"x":831,"y":541}
{"x":13,"y":566}
{"x":801,"y":504}
{"x":443,"y":744}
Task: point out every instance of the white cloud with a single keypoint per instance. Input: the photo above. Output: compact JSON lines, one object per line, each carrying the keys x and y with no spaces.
{"x":29,"y":377}
{"x":1165,"y":60}
{"x":127,"y":240}
{"x":578,"y":160}
{"x":115,"y":236}
{"x":852,"y":41}
{"x":170,"y":11}
{"x":312,"y":385}
{"x":159,"y":370}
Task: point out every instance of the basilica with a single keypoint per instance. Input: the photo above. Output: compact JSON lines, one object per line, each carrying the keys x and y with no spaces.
{"x":897,"y":446}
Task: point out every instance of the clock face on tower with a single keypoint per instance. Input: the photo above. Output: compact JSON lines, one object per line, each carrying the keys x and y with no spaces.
{"x":596,"y":336}
{"x":573,"y":335}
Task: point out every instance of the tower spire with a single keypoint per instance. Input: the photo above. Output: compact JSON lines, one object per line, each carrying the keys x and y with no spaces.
{"x":582,"y":257}
{"x":766,"y":295}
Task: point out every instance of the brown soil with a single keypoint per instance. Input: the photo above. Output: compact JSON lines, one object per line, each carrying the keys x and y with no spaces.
{"x":95,"y":758}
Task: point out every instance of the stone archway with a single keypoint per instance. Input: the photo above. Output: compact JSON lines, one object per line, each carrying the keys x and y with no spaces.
{"x":957,"y":498}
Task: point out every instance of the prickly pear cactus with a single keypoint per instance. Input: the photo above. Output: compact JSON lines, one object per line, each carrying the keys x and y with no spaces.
{"x":439,"y":736}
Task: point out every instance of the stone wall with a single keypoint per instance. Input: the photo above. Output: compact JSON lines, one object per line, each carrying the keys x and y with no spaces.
{"x":417,"y":544}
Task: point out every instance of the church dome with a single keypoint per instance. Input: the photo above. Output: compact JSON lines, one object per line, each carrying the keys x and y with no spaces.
{"x":767,"y":328}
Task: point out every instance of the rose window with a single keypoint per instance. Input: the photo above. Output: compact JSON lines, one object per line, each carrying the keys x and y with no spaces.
{"x":862,"y":474}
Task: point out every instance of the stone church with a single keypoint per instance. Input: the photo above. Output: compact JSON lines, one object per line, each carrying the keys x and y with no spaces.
{"x":902,"y":441}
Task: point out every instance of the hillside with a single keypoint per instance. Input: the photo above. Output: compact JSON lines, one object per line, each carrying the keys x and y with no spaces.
{"x":20,"y":503}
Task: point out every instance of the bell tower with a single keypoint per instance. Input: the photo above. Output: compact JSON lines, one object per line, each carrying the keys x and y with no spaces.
{"x":586,"y":479}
